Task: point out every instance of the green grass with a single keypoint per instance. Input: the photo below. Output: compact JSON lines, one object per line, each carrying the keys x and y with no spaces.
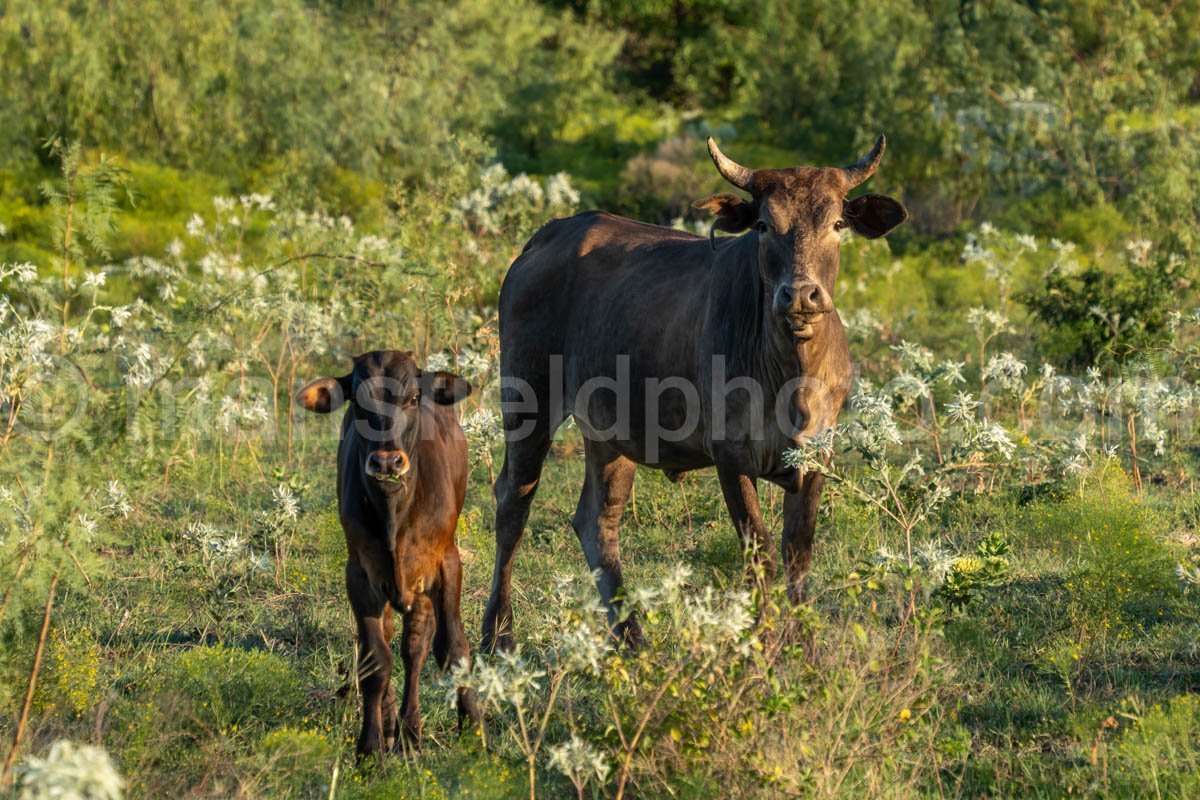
{"x":210,"y":679}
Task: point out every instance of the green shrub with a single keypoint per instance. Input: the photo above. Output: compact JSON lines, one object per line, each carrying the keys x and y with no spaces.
{"x":1104,"y":311}
{"x":292,"y":762}
{"x":226,"y":689}
{"x":970,"y":575}
{"x":189,"y":719}
{"x":1158,"y":753}
{"x":1119,"y":571}
{"x":70,"y":683}
{"x":397,"y":779}
{"x":469,"y":775}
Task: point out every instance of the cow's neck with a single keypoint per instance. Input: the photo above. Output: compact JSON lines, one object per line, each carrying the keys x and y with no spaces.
{"x":757,"y":346}
{"x":812,"y":354}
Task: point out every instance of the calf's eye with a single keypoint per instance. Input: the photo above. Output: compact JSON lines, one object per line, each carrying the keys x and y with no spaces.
{"x":760,"y":226}
{"x":841,"y":223}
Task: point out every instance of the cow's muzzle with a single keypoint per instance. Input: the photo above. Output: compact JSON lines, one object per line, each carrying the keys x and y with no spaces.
{"x":388,"y":465}
{"x":804,"y":328}
{"x":801,"y":306}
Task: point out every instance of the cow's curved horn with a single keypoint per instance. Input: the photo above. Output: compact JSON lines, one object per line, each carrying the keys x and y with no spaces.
{"x":730,"y":170}
{"x":864,"y":168}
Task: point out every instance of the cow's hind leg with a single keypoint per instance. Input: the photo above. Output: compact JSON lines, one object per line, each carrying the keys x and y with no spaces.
{"x":418,"y":633}
{"x":374,"y":668}
{"x":606,"y":489}
{"x":450,"y":642}
{"x":515,"y":488}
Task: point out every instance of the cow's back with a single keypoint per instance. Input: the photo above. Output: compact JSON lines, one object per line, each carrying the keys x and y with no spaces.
{"x":600,"y":290}
{"x":587,"y":251}
{"x":598,"y":273}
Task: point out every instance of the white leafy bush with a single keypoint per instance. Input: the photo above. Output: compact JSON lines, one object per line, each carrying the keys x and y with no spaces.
{"x":70,"y":771}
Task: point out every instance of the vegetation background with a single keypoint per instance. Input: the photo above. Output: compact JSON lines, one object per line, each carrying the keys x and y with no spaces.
{"x":203,"y":205}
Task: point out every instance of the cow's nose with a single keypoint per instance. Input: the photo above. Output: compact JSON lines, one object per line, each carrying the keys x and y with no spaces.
{"x":387,"y":464}
{"x":811,"y":298}
{"x":806,"y":297}
{"x":783,"y":299}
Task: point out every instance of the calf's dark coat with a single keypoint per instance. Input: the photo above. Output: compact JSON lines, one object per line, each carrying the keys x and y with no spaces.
{"x":401,"y":482}
{"x":657,"y":341}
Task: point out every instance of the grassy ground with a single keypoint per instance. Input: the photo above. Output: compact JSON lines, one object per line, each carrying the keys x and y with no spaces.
{"x":207,"y":677}
{"x":1029,"y":643}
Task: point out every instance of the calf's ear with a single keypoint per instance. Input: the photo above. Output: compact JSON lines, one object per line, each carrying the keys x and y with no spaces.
{"x":325,"y":394}
{"x":734,"y":214}
{"x":446,"y":388}
{"x":873,"y":215}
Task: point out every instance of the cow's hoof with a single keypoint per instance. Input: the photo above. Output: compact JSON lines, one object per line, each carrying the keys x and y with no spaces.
{"x":629,"y":633}
{"x":792,"y":632}
{"x":497,"y":627}
{"x":798,"y":591}
{"x":409,"y":742}
{"x":468,"y":709}
{"x":502,"y":642}
{"x":407,"y":747}
{"x":365,"y":754}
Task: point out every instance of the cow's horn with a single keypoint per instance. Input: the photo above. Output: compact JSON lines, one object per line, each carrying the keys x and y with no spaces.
{"x":730,"y":170}
{"x":864,"y":168}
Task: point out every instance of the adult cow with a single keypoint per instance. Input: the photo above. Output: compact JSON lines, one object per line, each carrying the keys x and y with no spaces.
{"x":677,"y":352}
{"x":401,"y":482}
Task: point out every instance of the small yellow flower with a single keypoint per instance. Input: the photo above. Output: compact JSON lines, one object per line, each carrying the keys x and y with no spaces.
{"x":905,"y":715}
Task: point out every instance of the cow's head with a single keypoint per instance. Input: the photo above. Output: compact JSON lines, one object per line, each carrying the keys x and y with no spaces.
{"x":385,"y":389}
{"x":798,"y":216}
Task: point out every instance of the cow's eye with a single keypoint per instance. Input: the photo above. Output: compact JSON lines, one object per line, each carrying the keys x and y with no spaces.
{"x":841,"y":223}
{"x":760,"y":226}
{"x":411,"y":401}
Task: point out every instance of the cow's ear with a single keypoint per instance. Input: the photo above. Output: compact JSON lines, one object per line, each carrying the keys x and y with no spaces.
{"x":325,"y":394}
{"x":734,"y":214}
{"x":873,"y":215}
{"x":446,"y":388}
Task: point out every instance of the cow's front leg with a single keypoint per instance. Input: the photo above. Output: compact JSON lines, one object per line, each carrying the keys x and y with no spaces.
{"x":374,"y":668}
{"x":741,"y":498}
{"x":418,"y":634}
{"x":799,"y":526}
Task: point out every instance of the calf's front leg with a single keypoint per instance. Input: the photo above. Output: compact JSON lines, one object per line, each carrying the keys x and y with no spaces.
{"x":450,"y":642}
{"x":374,"y":667}
{"x":418,"y":634}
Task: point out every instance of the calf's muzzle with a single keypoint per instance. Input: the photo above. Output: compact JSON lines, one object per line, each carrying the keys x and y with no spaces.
{"x":387,"y":464}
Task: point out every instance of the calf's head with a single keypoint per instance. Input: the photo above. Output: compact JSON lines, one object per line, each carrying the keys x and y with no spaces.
{"x":385,"y":389}
{"x":798,"y":216}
